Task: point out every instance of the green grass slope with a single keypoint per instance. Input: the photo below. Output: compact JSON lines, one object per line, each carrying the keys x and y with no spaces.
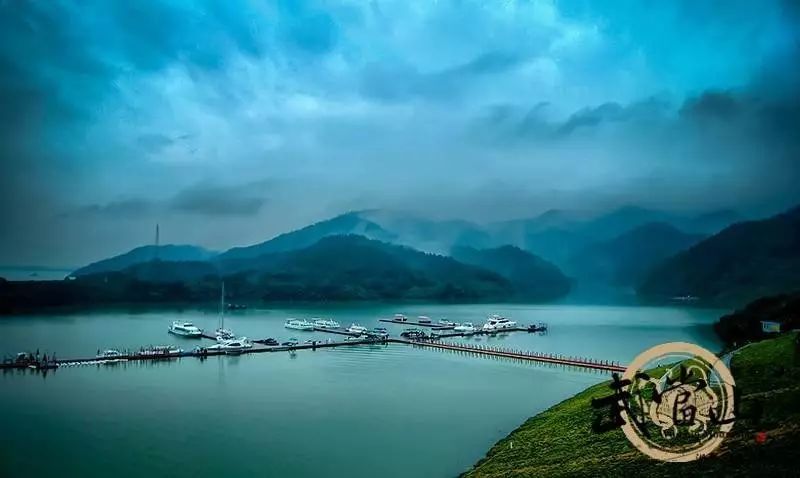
{"x":560,"y":442}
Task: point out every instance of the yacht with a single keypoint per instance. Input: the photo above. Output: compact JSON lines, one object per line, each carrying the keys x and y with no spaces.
{"x":446,"y":323}
{"x":297,"y":324}
{"x":357,"y":329}
{"x":496,"y":322}
{"x":465,"y":327}
{"x":236,"y":344}
{"x":186,"y":329}
{"x":222,"y":334}
{"x":326,"y":324}
{"x":110,"y":354}
{"x":424,"y":319}
{"x":399,"y":318}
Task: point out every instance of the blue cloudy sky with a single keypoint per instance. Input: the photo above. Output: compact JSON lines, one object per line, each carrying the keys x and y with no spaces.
{"x":230,"y":121}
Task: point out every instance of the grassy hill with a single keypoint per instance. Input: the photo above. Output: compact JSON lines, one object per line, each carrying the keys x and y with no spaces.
{"x":560,"y":442}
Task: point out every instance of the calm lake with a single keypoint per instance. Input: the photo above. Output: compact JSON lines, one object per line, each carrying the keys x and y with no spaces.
{"x":362,"y":411}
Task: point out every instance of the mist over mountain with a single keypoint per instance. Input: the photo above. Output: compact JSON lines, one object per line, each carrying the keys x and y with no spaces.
{"x":349,"y":223}
{"x":437,"y":236}
{"x":559,"y":236}
{"x":744,"y":261}
{"x":533,"y":278}
{"x":574,"y":241}
{"x":627,"y":258}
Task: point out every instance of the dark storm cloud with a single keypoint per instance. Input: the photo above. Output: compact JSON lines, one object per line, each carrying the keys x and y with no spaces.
{"x":211,"y":200}
{"x":128,"y":106}
{"x":201,"y":199}
{"x":712,"y":104}
{"x":646,"y":110}
{"x":120,"y":209}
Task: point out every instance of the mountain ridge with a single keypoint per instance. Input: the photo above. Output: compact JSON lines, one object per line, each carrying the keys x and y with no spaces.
{"x":742,"y":262}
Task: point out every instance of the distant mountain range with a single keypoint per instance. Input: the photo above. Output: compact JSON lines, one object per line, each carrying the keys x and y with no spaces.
{"x":350,"y":223}
{"x":559,"y":236}
{"x":532,"y":277}
{"x":335,"y":268}
{"x":556,"y":235}
{"x":539,"y":258}
{"x":169,"y":252}
{"x":627,"y":258}
{"x":745,"y":261}
{"x":351,"y":267}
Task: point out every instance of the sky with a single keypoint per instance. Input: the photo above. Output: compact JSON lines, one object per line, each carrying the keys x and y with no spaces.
{"x":230,"y":122}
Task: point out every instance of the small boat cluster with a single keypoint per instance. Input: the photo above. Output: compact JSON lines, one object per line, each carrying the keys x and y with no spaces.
{"x":494,"y":323}
{"x":227,"y":342}
{"x":31,"y":360}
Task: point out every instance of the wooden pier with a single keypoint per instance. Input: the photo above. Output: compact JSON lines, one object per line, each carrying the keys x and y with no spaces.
{"x":529,"y":356}
{"x":199,"y":353}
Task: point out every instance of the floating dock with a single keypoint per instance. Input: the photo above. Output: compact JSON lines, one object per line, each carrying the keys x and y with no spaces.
{"x":429,"y":342}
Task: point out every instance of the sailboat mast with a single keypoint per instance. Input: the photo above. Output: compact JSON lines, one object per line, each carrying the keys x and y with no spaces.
{"x":222,"y":307}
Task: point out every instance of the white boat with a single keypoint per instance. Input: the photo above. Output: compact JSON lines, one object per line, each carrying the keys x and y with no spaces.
{"x":400,"y":318}
{"x":185,"y":329}
{"x":110,"y":353}
{"x":424,"y":319}
{"x":356,"y":329}
{"x":297,"y":324}
{"x":446,"y":323}
{"x":496,"y":322}
{"x":465,"y":327}
{"x":222,"y":334}
{"x":236,"y":344}
{"x":326,"y":324}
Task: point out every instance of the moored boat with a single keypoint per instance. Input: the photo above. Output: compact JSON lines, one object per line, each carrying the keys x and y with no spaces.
{"x":356,"y":329}
{"x":326,"y":324}
{"x":496,"y":323}
{"x":298,"y":324}
{"x":465,"y":327}
{"x":240,"y":343}
{"x":185,"y":329}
